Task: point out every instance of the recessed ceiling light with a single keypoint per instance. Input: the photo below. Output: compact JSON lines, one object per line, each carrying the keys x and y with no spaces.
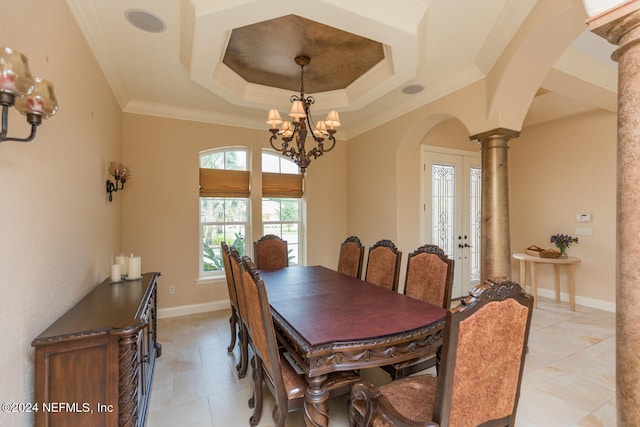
{"x":412,"y":89}
{"x":145,"y":21}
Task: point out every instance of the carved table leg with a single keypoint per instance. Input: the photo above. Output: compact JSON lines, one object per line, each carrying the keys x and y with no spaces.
{"x":316,"y":406}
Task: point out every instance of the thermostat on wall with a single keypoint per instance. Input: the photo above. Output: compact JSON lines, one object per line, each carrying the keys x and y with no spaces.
{"x":583,"y":217}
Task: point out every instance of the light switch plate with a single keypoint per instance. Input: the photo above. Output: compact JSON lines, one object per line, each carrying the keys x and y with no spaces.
{"x":584,"y":231}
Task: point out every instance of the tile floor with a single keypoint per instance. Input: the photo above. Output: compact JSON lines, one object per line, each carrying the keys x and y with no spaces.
{"x":569,"y":377}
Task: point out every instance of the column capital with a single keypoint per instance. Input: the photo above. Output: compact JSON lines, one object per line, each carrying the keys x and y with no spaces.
{"x":616,"y":23}
{"x":498,"y":133}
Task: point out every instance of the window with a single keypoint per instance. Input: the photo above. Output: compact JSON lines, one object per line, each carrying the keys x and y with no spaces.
{"x":224,"y":206}
{"x":282,"y":216}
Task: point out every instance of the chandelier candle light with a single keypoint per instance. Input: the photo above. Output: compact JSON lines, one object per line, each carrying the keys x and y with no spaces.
{"x":301,"y":125}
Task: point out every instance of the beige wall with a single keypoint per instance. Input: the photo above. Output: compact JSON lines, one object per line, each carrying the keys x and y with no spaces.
{"x":556,"y":170}
{"x":160,"y":214}
{"x":560,"y":169}
{"x":58,"y":231}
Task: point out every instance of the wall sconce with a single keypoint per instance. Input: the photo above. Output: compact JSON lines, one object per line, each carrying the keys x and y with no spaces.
{"x":121,"y":173}
{"x":32,"y":96}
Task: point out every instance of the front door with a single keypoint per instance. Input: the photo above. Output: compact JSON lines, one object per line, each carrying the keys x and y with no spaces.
{"x":452,"y":183}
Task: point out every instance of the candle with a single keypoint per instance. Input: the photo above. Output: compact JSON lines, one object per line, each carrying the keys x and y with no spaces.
{"x":116,"y":272}
{"x":122,"y":260}
{"x":134,"y":268}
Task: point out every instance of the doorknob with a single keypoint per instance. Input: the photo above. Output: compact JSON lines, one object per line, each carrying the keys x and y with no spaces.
{"x":467,"y":245}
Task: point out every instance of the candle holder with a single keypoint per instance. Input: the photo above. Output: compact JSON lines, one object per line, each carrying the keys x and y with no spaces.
{"x":121,"y":173}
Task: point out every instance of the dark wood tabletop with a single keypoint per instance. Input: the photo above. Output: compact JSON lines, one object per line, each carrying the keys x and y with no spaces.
{"x":329,"y":321}
{"x":325,"y":306}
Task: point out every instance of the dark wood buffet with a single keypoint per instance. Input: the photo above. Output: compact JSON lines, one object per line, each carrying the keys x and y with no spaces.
{"x":94,"y":365}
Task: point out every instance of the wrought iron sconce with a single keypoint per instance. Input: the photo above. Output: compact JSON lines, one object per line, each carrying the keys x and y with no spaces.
{"x":121,"y":173}
{"x":32,"y":96}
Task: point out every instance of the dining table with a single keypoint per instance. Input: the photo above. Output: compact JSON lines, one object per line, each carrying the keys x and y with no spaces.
{"x":328,"y":321}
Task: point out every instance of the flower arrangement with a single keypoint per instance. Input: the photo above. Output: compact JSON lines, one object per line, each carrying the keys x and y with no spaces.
{"x":563,"y":241}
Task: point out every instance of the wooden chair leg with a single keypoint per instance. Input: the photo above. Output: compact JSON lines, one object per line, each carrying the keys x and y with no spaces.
{"x":279,"y":414}
{"x":242,"y":365}
{"x":241,"y":339}
{"x":252,"y":400}
{"x":233,"y":323}
{"x":256,"y":400}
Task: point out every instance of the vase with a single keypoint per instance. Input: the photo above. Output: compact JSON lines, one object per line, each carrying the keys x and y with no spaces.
{"x":563,"y":252}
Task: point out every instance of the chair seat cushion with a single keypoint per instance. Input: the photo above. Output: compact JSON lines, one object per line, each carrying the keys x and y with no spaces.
{"x":413,"y":397}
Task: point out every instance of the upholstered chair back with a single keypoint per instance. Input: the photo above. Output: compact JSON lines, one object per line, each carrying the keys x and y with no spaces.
{"x":226,"y":260}
{"x":271,"y":252}
{"x":429,"y":276}
{"x":383,"y":265}
{"x":351,"y":256}
{"x":261,"y":330}
{"x":478,"y":384}
{"x":484,"y":348}
{"x":236,"y":262}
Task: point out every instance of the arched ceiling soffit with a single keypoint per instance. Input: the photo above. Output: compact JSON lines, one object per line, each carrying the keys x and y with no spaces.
{"x":417,"y":132}
{"x":254,"y":64}
{"x":513,"y":82}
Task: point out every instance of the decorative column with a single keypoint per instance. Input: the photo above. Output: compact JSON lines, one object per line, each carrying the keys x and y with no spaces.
{"x":621,"y":26}
{"x":495,"y":235}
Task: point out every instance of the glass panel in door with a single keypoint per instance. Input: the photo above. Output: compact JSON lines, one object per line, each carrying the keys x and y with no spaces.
{"x":452,"y":183}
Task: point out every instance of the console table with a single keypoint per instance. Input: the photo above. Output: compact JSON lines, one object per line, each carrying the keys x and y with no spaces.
{"x":570,"y":262}
{"x":94,"y":365}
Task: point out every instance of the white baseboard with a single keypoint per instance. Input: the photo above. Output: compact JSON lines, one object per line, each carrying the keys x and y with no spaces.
{"x":587,"y":302}
{"x":185,"y":310}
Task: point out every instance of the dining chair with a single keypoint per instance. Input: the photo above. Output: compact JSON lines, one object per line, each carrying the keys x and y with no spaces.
{"x":236,"y":263}
{"x":429,"y":278}
{"x":287,"y":386}
{"x":271,"y":252}
{"x":484,"y":347}
{"x":383,"y":265}
{"x":234,"y":320}
{"x":351,"y":256}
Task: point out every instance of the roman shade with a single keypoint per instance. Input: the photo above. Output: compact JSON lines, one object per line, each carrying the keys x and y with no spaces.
{"x":224,"y":183}
{"x":281,"y":185}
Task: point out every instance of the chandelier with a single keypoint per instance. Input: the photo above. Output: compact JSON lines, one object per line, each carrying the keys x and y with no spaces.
{"x":300,"y":125}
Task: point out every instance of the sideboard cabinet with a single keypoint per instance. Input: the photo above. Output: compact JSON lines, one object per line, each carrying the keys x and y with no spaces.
{"x":94,"y":365}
